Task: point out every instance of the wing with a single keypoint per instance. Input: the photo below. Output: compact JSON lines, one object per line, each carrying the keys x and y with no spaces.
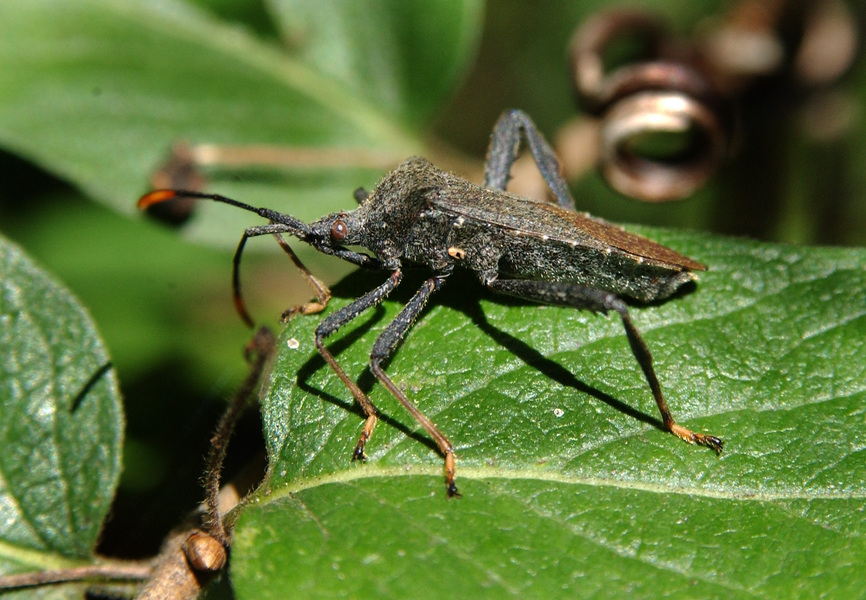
{"x":548,"y":221}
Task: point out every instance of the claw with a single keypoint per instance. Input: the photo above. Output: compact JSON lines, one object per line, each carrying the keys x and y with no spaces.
{"x":310,"y":308}
{"x":710,"y":441}
{"x":449,"y":474}
{"x":452,"y":491}
{"x":358,"y":453}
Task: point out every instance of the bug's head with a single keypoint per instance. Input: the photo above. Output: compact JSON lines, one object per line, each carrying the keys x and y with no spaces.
{"x":339,"y":229}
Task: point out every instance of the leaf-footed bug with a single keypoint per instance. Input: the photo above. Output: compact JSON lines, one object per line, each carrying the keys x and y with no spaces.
{"x":538,"y":251}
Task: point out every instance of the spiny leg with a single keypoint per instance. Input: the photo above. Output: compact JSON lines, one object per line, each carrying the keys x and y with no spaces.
{"x":323,"y":294}
{"x":581,"y":297}
{"x":335,"y":321}
{"x":645,"y":359}
{"x":505,"y":146}
{"x":385,"y":345}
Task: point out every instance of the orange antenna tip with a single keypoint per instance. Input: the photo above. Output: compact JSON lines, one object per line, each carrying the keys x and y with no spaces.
{"x":156,"y":197}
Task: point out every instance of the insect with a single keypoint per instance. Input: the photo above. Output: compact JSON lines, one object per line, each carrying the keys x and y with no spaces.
{"x":534,"y":250}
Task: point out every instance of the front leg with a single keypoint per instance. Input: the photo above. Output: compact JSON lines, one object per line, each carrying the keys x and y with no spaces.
{"x":385,"y":345}
{"x":581,"y":297}
{"x":334,"y":322}
{"x":323,"y":293}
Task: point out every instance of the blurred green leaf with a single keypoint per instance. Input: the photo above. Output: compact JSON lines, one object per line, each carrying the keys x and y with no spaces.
{"x":766,"y":353}
{"x":61,"y":422}
{"x":98,"y":91}
{"x":403,"y":56}
{"x":569,"y":485}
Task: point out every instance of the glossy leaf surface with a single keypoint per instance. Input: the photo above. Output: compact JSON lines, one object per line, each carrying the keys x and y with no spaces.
{"x":569,"y":485}
{"x":61,"y":422}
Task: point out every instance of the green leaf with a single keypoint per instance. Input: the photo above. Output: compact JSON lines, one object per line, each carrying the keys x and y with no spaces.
{"x":61,"y":422}
{"x":569,"y":484}
{"x":100,"y":95}
{"x":404,"y":56}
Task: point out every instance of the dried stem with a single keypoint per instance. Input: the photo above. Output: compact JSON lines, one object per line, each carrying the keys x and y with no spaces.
{"x":258,"y":351}
{"x":109,"y":572}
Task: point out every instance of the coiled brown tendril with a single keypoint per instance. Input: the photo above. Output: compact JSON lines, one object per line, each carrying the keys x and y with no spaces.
{"x":683,"y":92}
{"x":645,"y":106}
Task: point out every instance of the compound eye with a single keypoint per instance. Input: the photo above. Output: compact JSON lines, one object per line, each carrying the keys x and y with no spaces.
{"x":339,"y":230}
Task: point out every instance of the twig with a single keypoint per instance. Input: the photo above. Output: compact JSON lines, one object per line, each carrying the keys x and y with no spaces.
{"x":108,"y":572}
{"x":258,"y":351}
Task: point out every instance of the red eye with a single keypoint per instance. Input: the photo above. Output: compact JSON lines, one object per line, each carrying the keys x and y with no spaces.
{"x":339,"y":230}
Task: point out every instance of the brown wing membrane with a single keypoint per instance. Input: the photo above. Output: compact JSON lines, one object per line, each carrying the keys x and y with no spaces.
{"x":549,"y":221}
{"x":623,"y":240}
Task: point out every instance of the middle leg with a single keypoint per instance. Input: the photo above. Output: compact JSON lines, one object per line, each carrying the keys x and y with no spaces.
{"x":385,"y":345}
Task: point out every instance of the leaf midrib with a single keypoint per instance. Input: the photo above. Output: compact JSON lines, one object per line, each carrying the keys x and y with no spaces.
{"x":372,"y":471}
{"x":237,"y":45}
{"x":38,"y":559}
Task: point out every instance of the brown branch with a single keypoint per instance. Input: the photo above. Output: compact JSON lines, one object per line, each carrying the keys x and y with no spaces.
{"x":191,"y":558}
{"x":186,"y":564}
{"x":257,"y":351}
{"x":109,"y":572}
